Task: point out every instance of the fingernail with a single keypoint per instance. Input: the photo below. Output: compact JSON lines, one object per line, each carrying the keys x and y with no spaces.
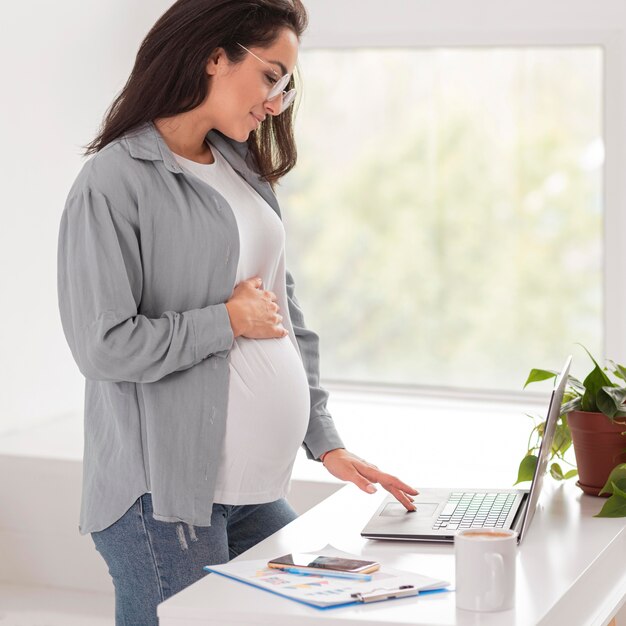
{"x":370,"y":489}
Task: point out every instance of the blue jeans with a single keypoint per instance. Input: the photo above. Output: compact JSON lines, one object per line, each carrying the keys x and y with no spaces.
{"x":150,"y":560}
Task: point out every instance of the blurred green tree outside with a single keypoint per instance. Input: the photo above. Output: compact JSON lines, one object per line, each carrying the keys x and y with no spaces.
{"x":444,"y":221}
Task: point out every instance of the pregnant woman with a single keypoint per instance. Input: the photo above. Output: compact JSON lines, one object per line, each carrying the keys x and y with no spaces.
{"x":202,"y":380}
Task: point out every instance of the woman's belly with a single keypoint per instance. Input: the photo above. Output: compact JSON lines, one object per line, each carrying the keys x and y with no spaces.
{"x":268,"y":415}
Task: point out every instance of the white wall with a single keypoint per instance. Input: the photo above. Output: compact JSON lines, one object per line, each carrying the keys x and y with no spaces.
{"x":61,"y":63}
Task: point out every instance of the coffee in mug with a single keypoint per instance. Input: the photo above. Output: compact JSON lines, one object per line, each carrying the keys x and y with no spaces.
{"x":485,"y":569}
{"x":485,"y":534}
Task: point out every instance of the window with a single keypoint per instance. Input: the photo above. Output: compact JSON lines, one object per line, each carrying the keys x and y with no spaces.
{"x":445,"y":220}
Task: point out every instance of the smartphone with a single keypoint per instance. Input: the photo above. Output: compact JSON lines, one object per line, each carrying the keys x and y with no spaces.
{"x":317,"y":561}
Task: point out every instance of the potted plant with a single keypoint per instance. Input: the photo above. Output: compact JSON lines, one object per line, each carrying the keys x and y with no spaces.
{"x":593,"y":418}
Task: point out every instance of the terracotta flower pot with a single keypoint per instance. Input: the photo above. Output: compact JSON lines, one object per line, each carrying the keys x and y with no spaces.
{"x":598,"y":445}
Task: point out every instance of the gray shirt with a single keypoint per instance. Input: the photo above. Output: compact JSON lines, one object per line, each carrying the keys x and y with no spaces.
{"x":147,"y":258}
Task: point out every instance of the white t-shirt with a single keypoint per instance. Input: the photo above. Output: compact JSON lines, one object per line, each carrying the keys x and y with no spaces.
{"x":268,"y":399}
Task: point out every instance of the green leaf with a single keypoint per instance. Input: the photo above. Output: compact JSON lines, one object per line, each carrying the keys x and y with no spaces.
{"x":605,"y":403}
{"x":617,"y":477}
{"x":617,"y":369}
{"x":618,"y":395}
{"x":571,"y":405}
{"x":594,"y":382}
{"x":615,"y":506}
{"x":575,"y":384}
{"x":619,"y":492}
{"x":537,"y":375}
{"x":597,"y":367}
{"x":588,"y":403}
{"x":569,"y":395}
{"x":570,"y":474}
{"x":556,"y":472}
{"x":526,"y":468}
{"x":562,"y":439}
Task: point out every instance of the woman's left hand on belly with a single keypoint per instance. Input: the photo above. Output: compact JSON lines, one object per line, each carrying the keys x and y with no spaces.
{"x":347,"y":466}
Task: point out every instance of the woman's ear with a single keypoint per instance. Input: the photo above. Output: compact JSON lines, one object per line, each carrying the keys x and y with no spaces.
{"x":216,"y":62}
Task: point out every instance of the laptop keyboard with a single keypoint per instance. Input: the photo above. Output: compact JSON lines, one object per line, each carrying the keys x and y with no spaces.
{"x":475,"y":510}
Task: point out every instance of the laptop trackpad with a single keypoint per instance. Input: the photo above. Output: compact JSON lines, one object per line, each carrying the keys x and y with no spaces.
{"x":422,"y":509}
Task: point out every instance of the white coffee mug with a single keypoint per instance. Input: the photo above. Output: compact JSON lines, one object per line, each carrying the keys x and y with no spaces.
{"x":485,"y":569}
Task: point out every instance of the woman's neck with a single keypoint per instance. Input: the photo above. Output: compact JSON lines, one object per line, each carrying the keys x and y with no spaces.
{"x":185,"y":135}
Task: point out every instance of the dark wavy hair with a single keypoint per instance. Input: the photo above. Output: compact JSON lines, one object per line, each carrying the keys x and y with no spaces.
{"x":169,"y":76}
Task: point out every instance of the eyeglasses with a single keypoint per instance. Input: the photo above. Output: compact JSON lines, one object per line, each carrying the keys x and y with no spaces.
{"x":279,"y":86}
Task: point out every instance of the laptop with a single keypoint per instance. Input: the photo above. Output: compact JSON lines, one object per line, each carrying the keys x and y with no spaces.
{"x":441,"y":513}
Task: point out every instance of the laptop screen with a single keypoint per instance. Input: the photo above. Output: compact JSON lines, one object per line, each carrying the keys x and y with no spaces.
{"x":554,"y":411}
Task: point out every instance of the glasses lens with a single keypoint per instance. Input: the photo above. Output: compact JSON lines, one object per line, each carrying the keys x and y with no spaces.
{"x":288,"y":99}
{"x":278,"y":87}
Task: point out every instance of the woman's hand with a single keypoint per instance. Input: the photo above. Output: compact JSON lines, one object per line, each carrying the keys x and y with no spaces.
{"x":253,"y":312}
{"x":347,"y":466}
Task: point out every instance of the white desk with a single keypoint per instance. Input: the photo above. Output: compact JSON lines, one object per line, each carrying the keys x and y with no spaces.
{"x":571,"y":571}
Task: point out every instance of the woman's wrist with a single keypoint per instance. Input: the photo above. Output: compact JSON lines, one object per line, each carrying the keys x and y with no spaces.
{"x":324,"y":454}
{"x":231,"y":310}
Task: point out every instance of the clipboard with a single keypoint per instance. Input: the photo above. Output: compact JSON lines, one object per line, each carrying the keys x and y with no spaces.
{"x":325,"y":593}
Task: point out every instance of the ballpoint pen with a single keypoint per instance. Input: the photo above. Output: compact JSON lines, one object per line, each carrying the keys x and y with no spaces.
{"x":386,"y":594}
{"x":326,"y":573}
